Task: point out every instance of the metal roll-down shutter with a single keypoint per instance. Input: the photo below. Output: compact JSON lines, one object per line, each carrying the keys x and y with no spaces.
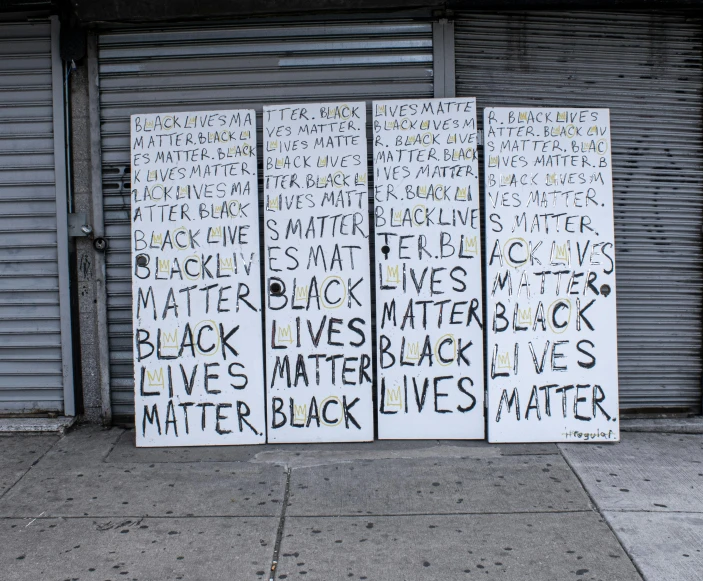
{"x":35,"y":365}
{"x":647,"y":69}
{"x":182,"y":69}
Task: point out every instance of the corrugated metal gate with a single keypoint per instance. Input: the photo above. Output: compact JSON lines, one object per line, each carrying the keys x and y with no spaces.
{"x":647,"y":70}
{"x":232,"y":67}
{"x":35,"y":365}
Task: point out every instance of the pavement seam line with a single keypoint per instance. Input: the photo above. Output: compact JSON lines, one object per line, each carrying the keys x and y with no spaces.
{"x":267,"y":516}
{"x":112,"y":447}
{"x":32,"y":465}
{"x":602,"y":516}
{"x":279,"y":531}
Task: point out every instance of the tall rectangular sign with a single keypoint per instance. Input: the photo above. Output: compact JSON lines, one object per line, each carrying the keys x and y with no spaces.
{"x":428,"y":279}
{"x":550,"y":263}
{"x":318,"y":323}
{"x":196,"y":279}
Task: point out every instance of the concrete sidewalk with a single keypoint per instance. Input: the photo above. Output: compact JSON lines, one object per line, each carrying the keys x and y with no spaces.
{"x":90,"y":506}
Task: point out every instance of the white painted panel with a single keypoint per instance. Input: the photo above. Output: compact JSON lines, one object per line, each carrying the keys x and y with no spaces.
{"x":552,"y":333}
{"x":196,"y":279}
{"x":428,"y":279}
{"x":318,"y":315}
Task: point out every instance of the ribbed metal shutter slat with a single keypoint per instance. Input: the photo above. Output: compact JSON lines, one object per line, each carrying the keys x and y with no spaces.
{"x":230,"y":67}
{"x":31,"y":376}
{"x":647,"y":68}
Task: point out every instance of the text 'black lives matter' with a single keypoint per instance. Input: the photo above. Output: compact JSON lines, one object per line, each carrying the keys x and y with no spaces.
{"x":428,"y":279}
{"x":552,"y":334}
{"x":196,"y":287}
{"x":318,"y":323}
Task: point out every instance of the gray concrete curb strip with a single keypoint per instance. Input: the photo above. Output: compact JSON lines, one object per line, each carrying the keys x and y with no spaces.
{"x":36,"y":425}
{"x":664,"y":425}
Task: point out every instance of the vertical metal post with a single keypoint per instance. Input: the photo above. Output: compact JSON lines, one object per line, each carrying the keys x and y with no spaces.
{"x":438,"y":58}
{"x":449,"y":68}
{"x":98,"y":223}
{"x":443,"y":58}
{"x":60,"y":160}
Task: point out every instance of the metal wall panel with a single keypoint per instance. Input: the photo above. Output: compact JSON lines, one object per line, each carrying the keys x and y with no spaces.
{"x":186,"y":69}
{"x":31,"y":371}
{"x":647,"y":69}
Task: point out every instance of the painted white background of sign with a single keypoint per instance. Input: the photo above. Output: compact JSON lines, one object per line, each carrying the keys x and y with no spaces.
{"x":195,"y":223}
{"x":318,"y":316}
{"x":428,"y":270}
{"x":549,"y":209}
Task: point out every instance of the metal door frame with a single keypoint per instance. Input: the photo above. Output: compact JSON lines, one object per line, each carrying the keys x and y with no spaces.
{"x":61,"y":186}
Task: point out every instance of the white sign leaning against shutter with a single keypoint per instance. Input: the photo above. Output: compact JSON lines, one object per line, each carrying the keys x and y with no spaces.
{"x":318,"y":311}
{"x":428,"y":279}
{"x":550,"y":264}
{"x":196,"y":286}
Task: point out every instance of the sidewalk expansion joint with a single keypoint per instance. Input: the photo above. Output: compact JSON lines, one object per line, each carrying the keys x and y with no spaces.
{"x":16,"y":482}
{"x":597,"y":510}
{"x":281,"y":525}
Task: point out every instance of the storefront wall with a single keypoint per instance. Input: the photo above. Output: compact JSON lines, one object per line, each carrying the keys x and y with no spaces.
{"x":645,"y":67}
{"x":36,"y":373}
{"x":222,"y":67}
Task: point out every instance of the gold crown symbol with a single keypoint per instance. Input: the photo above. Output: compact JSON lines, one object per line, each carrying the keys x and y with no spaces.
{"x":380,"y":109}
{"x":561,"y":116}
{"x":273,"y":145}
{"x":322,"y":161}
{"x":422,"y":190}
{"x":193,"y":119}
{"x":226,"y":264}
{"x":592,"y":130}
{"x":279,"y":163}
{"x":398,"y":216}
{"x":216,"y":231}
{"x":164,"y":264}
{"x":551,"y":179}
{"x":233,"y":149}
{"x":462,"y":193}
{"x":212,"y":136}
{"x":301,"y":293}
{"x":394,"y":398}
{"x":470,"y":245}
{"x":149,"y":124}
{"x":392,"y":274}
{"x":285,"y":335}
{"x":155,"y":378}
{"x":300,"y":413}
{"x":561,"y":252}
{"x":245,"y":135}
{"x":524,"y":316}
{"x":322,"y":180}
{"x":218,"y":209}
{"x":424,"y":125}
{"x":522,"y":116}
{"x":504,"y":361}
{"x":170,"y":340}
{"x":493,"y":160}
{"x":505,"y":179}
{"x":451,"y":138}
{"x":413,"y":352}
{"x":152,"y":174}
{"x":360,"y":178}
{"x":273,"y":203}
{"x":157,"y":239}
{"x":182,"y":190}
